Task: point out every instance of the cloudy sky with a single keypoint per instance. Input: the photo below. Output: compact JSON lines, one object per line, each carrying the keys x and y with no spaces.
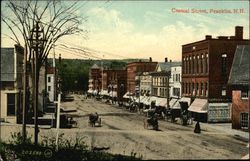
{"x":143,"y":29}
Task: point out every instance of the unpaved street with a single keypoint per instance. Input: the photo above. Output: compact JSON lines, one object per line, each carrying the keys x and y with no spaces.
{"x":124,"y":133}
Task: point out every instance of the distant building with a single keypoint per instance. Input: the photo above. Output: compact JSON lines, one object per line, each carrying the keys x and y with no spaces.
{"x":175,"y":80}
{"x":145,"y":83}
{"x":115,"y":82}
{"x":137,"y":67}
{"x":205,"y":69}
{"x":95,"y":78}
{"x":239,"y":81}
{"x":51,"y":82}
{"x":167,"y":73}
{"x":11,"y":83}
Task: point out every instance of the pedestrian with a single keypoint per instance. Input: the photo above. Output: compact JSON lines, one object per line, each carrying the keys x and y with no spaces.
{"x":197,"y":128}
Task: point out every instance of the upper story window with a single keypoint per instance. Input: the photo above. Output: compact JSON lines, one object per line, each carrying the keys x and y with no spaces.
{"x":49,"y":79}
{"x":244,"y":94}
{"x":223,"y":91}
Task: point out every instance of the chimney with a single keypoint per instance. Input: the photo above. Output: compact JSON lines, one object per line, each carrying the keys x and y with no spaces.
{"x":222,"y":37}
{"x":208,"y":37}
{"x":150,"y":59}
{"x":232,"y":37}
{"x":166,"y":59}
{"x":239,"y":32}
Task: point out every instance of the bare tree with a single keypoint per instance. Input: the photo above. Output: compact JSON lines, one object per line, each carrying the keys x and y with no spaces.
{"x":54,"y":19}
{"x":57,"y":19}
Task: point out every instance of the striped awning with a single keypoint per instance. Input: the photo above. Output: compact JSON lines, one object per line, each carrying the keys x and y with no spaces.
{"x":199,"y":106}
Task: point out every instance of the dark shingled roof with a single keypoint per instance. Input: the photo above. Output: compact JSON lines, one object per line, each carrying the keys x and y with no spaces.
{"x":166,"y":66}
{"x":239,"y":74}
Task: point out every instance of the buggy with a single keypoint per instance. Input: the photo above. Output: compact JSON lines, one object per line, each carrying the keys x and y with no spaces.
{"x":151,"y":120}
{"x":93,"y":119}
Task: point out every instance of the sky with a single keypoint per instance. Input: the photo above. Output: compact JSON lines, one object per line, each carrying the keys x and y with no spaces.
{"x":143,"y":29}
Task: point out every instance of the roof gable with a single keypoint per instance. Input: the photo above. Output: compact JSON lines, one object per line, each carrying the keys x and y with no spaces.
{"x":239,"y":74}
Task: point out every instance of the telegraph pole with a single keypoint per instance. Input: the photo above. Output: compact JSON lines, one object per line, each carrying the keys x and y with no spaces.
{"x":36,"y":45}
{"x":24,"y":92}
{"x":36,"y":87}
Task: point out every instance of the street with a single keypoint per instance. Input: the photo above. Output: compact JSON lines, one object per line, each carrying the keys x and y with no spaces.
{"x":123,"y":132}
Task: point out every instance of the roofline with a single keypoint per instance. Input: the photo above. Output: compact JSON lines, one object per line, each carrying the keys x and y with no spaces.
{"x":141,"y":62}
{"x":215,"y":40}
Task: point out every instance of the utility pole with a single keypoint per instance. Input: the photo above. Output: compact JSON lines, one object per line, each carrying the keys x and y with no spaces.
{"x":36,"y":45}
{"x":36,"y":86}
{"x":58,"y":107}
{"x":24,"y":92}
{"x":168,"y":106}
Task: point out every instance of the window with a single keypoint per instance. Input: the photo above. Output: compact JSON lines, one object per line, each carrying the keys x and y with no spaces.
{"x":224,"y":63}
{"x":201,"y":65}
{"x":197,"y":89}
{"x":198,"y":64}
{"x":11,"y":104}
{"x":244,"y":94}
{"x":49,"y":88}
{"x":244,"y":120}
{"x":176,"y":92}
{"x":224,"y":91}
{"x":49,"y":79}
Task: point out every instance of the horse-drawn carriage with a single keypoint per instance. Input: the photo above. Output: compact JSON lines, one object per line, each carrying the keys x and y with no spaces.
{"x":151,"y":121}
{"x":180,"y":112}
{"x":94,"y":119}
{"x":67,"y":121}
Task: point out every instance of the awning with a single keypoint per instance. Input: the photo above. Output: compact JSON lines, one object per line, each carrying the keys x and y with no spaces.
{"x":147,"y":101}
{"x":95,"y":91}
{"x":163,"y":102}
{"x":90,"y":91}
{"x":172,"y":102}
{"x":113,"y":94}
{"x":159,"y":100}
{"x":141,"y":99}
{"x":104,"y":93}
{"x":199,"y":106}
{"x":176,"y":104}
{"x":127,"y":95}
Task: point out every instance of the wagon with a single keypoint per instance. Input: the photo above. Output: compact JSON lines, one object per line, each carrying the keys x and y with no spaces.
{"x":67,"y":121}
{"x":151,"y":122}
{"x":182,"y":113}
{"x":94,"y":119}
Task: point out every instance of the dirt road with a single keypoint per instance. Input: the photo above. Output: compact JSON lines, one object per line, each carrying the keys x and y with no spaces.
{"x":124,"y":133}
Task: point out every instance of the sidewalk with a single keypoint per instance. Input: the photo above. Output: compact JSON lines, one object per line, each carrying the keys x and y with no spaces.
{"x":227,"y":128}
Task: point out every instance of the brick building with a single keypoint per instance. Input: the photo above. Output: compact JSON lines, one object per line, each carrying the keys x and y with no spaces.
{"x":239,"y":81}
{"x":94,"y":78}
{"x":137,"y":67}
{"x":206,"y":65}
{"x":116,"y":80}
